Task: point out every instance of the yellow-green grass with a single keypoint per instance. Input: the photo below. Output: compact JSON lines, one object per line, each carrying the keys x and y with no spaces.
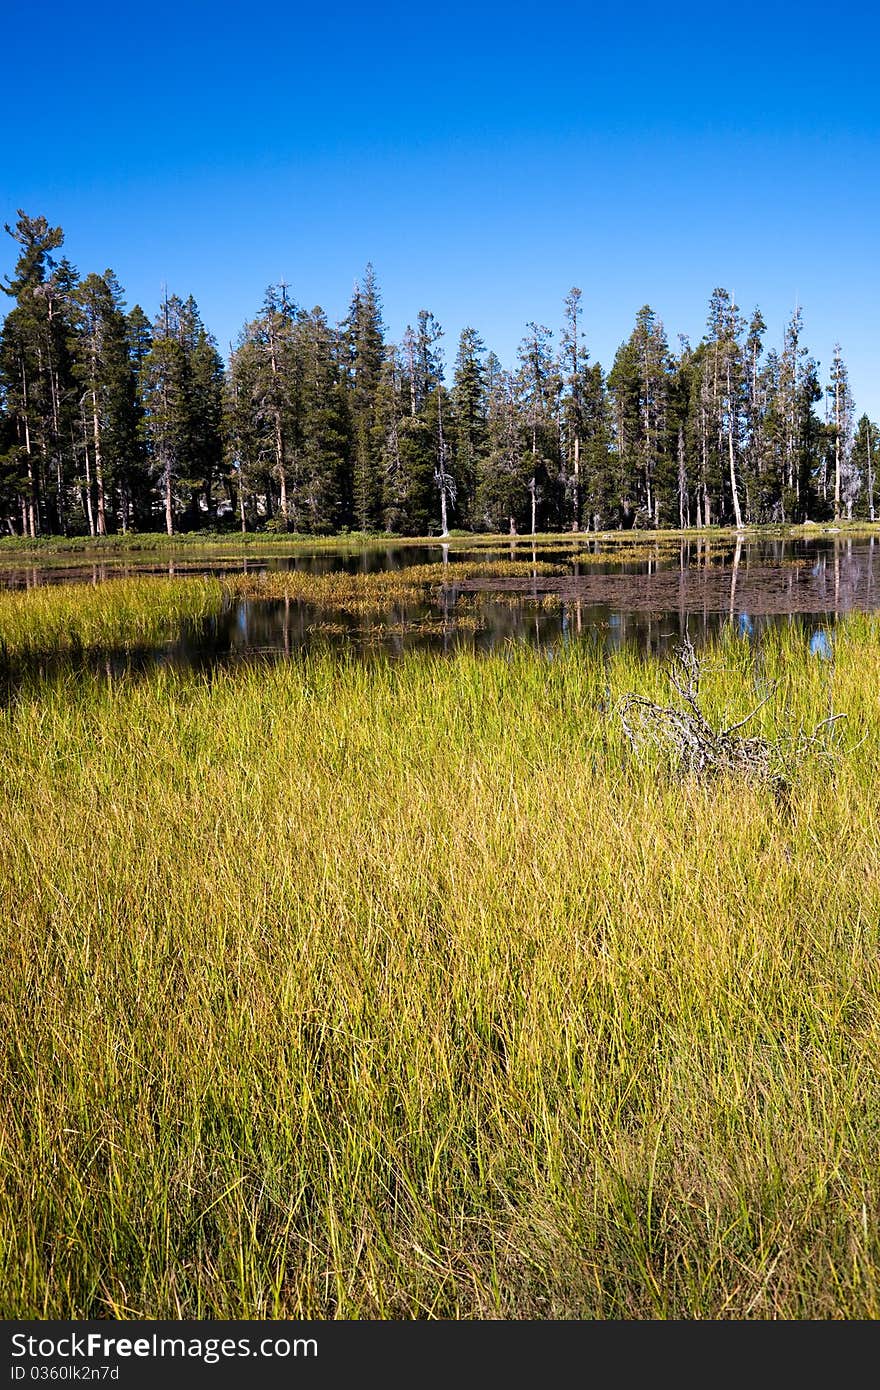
{"x":397,"y":989}
{"x":383,"y":590}
{"x":133,"y":542}
{"x":15,"y":550}
{"x":42,"y":549}
{"x":127,"y":613}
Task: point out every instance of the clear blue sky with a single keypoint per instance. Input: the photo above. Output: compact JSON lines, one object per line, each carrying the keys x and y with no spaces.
{"x":484,"y":157}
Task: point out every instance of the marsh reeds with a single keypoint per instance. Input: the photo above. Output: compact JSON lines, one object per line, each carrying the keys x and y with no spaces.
{"x":383,"y":590}
{"x":400,"y":989}
{"x":68,"y":618}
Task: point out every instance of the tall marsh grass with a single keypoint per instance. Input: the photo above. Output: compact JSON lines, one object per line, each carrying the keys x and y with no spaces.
{"x":400,"y":990}
{"x":106,"y":616}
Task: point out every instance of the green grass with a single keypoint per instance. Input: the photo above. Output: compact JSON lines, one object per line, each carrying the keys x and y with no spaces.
{"x":398,"y":990}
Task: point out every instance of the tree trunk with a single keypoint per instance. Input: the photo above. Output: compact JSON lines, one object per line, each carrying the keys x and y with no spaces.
{"x":241,"y":510}
{"x":730,"y":418}
{"x":166,"y":452}
{"x":683,"y":512}
{"x":99,"y":466}
{"x":837,"y":447}
{"x":55,"y":397}
{"x":90,"y":517}
{"x":31,"y":511}
{"x":282,"y":473}
{"x":169,"y":509}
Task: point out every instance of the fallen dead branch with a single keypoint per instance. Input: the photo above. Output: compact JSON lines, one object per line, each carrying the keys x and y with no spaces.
{"x":699,"y":749}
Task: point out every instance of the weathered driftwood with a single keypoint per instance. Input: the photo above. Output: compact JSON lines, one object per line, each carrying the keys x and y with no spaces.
{"x":701,"y":750}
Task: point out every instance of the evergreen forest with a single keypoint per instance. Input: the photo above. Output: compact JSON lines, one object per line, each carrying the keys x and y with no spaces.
{"x":113,"y":419}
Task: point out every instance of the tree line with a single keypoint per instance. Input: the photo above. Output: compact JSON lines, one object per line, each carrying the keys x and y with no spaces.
{"x":111,"y":421}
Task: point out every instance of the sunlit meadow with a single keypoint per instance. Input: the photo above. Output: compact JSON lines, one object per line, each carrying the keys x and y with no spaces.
{"x":403,"y":989}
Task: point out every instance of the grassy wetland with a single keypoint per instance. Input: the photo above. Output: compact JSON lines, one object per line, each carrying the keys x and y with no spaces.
{"x":405,"y":988}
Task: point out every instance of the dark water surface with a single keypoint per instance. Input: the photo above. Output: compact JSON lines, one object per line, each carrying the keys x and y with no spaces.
{"x":648,"y":598}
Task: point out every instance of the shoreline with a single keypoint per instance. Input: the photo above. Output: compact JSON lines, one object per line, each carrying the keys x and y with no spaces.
{"x":24,"y":547}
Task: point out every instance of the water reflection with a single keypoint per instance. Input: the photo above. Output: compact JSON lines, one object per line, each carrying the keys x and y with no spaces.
{"x":250,"y":629}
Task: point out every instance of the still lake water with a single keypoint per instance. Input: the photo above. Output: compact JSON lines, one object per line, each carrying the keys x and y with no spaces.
{"x":648,"y":600}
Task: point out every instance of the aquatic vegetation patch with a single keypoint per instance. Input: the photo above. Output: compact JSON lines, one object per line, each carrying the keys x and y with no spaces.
{"x":378,"y":592}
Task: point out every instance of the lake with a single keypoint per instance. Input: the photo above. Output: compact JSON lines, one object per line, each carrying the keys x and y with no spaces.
{"x":645,"y":593}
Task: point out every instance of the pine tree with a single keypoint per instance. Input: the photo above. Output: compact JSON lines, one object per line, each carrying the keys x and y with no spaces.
{"x":414,"y":507}
{"x":846,"y":472}
{"x":639,"y":385}
{"x":503,"y":480}
{"x":10,"y":482}
{"x":364,"y":334}
{"x":800,"y":485}
{"x":248,"y":452}
{"x":267,"y":365}
{"x":135,"y":481}
{"x":755,"y":410}
{"x":323,"y":500}
{"x":601,"y":497}
{"x":434,"y":405}
{"x":204,"y":453}
{"x":167,"y":398}
{"x":680,"y":396}
{"x":390,"y":412}
{"x":573,"y":363}
{"x":35,"y":373}
{"x":538,"y":388}
{"x":725,"y":327}
{"x":866,"y":451}
{"x":469,"y":420}
{"x":109,"y":415}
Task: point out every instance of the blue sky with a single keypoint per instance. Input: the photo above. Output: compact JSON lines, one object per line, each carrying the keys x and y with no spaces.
{"x":484,"y":158}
